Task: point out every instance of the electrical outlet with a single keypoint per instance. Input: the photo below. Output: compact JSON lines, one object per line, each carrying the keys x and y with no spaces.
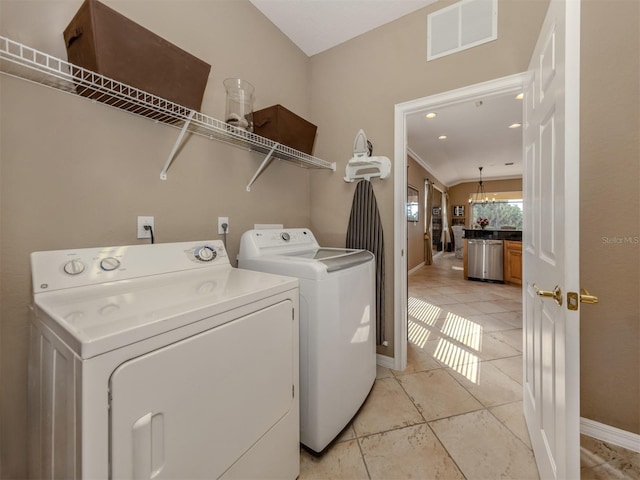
{"x":142,"y":221}
{"x":222,"y":220}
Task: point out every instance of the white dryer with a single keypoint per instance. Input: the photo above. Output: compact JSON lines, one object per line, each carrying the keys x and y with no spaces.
{"x":337,"y":324}
{"x":161,"y":361}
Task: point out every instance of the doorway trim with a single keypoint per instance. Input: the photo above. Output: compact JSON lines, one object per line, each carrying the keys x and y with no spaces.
{"x":500,"y":86}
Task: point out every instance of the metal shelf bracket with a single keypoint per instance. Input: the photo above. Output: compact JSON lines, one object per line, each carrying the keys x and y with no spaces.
{"x":174,"y":150}
{"x":263,"y":165}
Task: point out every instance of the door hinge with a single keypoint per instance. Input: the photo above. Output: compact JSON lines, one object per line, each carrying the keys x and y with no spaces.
{"x":293,"y":391}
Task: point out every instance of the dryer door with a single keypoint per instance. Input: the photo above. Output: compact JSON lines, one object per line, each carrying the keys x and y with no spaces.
{"x":192,"y":408}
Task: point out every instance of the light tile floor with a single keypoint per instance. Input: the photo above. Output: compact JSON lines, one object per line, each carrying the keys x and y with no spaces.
{"x":455,"y":412}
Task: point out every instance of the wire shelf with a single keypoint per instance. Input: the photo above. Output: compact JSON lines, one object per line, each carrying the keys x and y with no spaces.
{"x":21,"y":61}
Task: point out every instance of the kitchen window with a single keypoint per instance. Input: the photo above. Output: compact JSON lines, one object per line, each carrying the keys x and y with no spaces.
{"x":502,"y":209}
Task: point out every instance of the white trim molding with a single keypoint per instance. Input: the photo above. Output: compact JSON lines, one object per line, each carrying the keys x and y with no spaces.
{"x":499,"y":86}
{"x":385,"y":361}
{"x":416,"y":268}
{"x":422,"y":162}
{"x":609,"y":434}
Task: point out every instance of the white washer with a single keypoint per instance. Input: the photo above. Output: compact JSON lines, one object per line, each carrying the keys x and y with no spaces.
{"x":337,"y":324}
{"x":161,"y":361}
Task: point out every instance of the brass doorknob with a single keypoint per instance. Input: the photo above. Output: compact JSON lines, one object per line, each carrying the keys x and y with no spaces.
{"x":556,"y":294}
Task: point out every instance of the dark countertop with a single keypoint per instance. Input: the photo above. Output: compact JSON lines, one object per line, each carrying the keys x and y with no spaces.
{"x":513,"y":235}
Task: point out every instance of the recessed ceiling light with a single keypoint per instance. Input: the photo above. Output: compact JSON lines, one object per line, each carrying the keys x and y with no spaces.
{"x":442,"y":137}
{"x":515,"y":125}
{"x":520,"y":96}
{"x":431,"y":115}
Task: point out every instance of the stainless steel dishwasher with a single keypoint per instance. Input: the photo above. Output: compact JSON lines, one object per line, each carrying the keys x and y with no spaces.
{"x":485,"y":260}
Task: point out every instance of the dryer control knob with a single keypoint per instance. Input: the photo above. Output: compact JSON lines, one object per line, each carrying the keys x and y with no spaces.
{"x":109,"y":264}
{"x":74,"y":267}
{"x":285,"y":236}
{"x":206,"y":253}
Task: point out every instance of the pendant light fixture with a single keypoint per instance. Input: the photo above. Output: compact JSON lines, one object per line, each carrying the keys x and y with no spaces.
{"x":480,"y":195}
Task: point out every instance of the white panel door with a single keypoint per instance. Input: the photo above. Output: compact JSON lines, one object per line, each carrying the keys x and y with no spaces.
{"x":192,"y":408}
{"x":551,"y":244}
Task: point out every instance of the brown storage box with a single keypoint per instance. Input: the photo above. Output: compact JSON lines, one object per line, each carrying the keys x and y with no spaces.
{"x":280,"y":125}
{"x":102,"y":40}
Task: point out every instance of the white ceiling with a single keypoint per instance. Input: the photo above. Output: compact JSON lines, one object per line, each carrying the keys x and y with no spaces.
{"x":478,"y":136}
{"x":317,"y":25}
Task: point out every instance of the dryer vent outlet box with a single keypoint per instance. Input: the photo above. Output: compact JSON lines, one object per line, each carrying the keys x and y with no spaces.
{"x":464,"y":25}
{"x":142,"y":222}
{"x":222,"y":221}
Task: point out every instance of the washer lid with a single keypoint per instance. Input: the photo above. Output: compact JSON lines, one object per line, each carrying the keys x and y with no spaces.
{"x":99,"y":318}
{"x":334,"y":258}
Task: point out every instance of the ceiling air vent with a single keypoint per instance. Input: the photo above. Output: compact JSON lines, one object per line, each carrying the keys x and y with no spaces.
{"x":460,"y":26}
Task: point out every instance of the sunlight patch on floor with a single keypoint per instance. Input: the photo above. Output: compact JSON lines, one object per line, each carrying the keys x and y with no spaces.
{"x":460,"y":330}
{"x":457,"y":358}
{"x":423,"y":311}
{"x":463,"y":330}
{"x":418,"y":334}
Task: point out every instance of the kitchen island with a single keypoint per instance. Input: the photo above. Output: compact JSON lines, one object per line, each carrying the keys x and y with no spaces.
{"x":512,"y":251}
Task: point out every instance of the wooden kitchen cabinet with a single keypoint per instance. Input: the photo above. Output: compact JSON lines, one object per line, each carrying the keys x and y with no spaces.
{"x":512,"y":253}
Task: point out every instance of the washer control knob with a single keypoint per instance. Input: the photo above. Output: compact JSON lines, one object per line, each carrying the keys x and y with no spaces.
{"x":109,"y":264}
{"x":285,"y":236}
{"x":205,"y":253}
{"x":74,"y":267}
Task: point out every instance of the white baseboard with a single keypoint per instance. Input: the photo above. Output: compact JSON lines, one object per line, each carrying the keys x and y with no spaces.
{"x":384,"y":361}
{"x":609,"y":434}
{"x":416,"y":268}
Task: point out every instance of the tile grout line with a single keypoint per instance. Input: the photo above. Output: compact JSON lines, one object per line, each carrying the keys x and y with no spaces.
{"x":507,"y":427}
{"x":424,"y":422}
{"x":447,"y":451}
{"x":364,"y":460}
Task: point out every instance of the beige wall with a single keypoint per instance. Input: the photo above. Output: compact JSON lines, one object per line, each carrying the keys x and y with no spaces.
{"x":459,"y":194}
{"x":609,"y":212}
{"x":416,"y":176}
{"x":357,"y":84}
{"x":76,"y":174}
